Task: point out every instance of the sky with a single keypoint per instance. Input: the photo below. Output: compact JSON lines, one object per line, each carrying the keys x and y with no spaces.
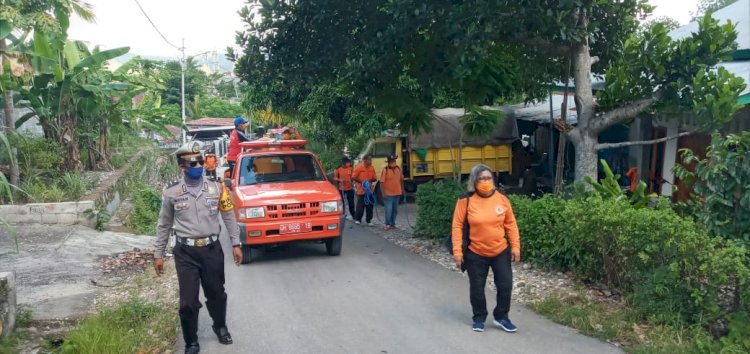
{"x":207,"y":25}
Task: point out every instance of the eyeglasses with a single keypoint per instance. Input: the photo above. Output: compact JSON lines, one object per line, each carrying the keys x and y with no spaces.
{"x":484,"y":178}
{"x":195,"y":163}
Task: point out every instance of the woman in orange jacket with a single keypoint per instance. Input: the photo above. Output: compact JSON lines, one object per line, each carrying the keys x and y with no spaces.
{"x":494,"y":242}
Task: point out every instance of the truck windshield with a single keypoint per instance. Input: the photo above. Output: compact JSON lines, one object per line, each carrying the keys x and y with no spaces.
{"x":279,"y":168}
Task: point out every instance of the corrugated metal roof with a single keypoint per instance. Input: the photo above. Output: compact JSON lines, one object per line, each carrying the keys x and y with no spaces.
{"x":210,"y":122}
{"x":738,"y":13}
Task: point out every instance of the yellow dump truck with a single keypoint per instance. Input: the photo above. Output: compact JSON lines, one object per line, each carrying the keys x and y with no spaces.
{"x":435,"y":154}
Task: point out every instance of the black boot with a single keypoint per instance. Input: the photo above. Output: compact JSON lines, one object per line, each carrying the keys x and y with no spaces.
{"x":218,"y":312}
{"x":193,"y":348}
{"x":223,"y":334}
{"x":190,"y":335}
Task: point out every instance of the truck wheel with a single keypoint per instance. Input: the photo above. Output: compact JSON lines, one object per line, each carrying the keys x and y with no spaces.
{"x":247,"y":254}
{"x":333,"y":246}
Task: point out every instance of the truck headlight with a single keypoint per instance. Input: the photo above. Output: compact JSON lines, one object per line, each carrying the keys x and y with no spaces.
{"x":330,"y":207}
{"x":252,"y":213}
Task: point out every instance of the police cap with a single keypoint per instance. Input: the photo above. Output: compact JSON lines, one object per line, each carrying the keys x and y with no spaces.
{"x":189,"y":152}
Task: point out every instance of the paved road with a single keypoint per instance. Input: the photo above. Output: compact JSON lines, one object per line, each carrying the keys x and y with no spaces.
{"x":374,"y":298}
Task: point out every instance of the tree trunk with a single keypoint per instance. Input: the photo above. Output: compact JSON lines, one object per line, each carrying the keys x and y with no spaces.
{"x":586,"y":154}
{"x":103,"y":144}
{"x":69,"y":140}
{"x":10,"y":127}
{"x":584,"y":137}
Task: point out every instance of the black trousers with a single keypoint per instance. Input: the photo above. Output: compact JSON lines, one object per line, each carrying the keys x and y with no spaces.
{"x":231,"y":168}
{"x":200,"y":266}
{"x":478,"y":267}
{"x":348,"y":196}
{"x":361,"y":207}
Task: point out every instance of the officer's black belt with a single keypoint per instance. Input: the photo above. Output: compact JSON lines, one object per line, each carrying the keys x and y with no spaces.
{"x":198,"y":242}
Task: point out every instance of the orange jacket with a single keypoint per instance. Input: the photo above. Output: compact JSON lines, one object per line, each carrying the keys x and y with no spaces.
{"x":490,"y":220}
{"x":343,"y":175}
{"x":392,"y":180}
{"x":363,"y":173}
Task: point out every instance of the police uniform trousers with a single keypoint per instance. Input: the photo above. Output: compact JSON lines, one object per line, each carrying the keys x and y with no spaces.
{"x":200,"y":266}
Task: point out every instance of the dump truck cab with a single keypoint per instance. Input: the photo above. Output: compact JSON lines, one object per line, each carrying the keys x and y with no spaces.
{"x":281,"y":195}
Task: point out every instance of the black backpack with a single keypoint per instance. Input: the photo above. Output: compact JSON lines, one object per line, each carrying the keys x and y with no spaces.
{"x":466,"y":241}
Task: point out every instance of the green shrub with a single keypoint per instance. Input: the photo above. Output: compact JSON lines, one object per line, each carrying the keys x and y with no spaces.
{"x":147,"y":202}
{"x":436,"y":202}
{"x":538,"y":223}
{"x":74,"y":186}
{"x":721,"y":186}
{"x":38,"y":156}
{"x":668,"y":267}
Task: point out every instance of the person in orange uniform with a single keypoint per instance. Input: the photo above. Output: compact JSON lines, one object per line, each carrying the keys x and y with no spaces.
{"x":343,"y":175}
{"x":364,"y":174}
{"x":392,"y":187}
{"x":209,"y":163}
{"x":494,"y":242}
{"x":290,"y":133}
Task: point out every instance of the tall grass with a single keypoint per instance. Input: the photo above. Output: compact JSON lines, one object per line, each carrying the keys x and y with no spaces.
{"x":135,"y":326}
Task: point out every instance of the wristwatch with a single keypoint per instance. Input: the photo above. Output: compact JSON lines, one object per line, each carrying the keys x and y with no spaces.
{"x":237,"y":246}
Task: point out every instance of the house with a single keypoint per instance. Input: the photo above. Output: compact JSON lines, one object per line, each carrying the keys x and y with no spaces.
{"x":663,"y":157}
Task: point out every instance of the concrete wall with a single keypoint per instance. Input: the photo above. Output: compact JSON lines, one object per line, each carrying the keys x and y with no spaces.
{"x":65,"y":213}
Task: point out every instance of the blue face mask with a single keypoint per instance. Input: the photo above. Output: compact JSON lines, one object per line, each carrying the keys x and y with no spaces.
{"x":194,"y":172}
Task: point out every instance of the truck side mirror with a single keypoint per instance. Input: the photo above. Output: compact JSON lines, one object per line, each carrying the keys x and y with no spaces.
{"x":228,"y":183}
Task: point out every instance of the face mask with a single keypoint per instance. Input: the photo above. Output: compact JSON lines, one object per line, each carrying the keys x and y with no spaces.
{"x":485,"y":187}
{"x":194,"y":172}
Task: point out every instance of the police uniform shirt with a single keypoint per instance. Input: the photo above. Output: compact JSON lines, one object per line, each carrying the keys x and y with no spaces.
{"x":194,"y":214}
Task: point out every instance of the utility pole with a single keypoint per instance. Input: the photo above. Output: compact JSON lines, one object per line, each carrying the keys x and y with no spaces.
{"x":182,"y":90}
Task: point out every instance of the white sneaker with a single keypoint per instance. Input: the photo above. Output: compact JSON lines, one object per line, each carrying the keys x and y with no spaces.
{"x":357,"y":222}
{"x":369,"y":224}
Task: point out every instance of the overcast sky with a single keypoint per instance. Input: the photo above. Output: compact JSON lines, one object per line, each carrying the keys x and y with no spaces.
{"x":207,"y":25}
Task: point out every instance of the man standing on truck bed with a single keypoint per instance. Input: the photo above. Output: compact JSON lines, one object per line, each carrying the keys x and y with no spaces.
{"x":364,"y":176}
{"x":391,"y":189}
{"x":343,"y":175}
{"x":237,"y":136}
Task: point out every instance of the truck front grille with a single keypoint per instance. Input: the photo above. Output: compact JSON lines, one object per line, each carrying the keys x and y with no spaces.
{"x":296,"y":210}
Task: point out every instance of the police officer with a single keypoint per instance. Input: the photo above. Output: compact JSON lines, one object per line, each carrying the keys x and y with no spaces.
{"x":191,"y":208}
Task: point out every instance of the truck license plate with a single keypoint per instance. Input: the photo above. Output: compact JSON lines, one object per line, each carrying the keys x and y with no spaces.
{"x":295,"y":228}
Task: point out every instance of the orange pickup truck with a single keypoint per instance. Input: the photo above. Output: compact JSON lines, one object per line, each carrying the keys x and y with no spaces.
{"x":281,"y":194}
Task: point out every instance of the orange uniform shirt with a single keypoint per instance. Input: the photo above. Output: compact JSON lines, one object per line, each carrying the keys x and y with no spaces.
{"x":344,"y":176}
{"x":391,"y":181}
{"x":490,"y":219}
{"x":364,"y":174}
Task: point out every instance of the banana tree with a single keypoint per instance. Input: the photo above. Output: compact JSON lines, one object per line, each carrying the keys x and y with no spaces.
{"x":72,"y":79}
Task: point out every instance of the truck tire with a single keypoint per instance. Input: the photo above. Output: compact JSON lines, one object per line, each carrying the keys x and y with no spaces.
{"x":333,"y":246}
{"x":247,"y":254}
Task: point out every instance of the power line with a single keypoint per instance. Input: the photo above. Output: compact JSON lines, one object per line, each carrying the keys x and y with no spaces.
{"x":154,"y":25}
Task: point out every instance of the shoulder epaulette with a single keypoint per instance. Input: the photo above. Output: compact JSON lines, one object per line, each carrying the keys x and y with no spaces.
{"x":172,"y":184}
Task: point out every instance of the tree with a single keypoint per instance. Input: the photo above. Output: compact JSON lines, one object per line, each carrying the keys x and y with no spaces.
{"x":708,"y":6}
{"x":196,"y":81}
{"x":395,"y":57}
{"x":42,"y":17}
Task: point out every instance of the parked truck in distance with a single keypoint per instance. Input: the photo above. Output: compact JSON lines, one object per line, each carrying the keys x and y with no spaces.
{"x":436,"y":154}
